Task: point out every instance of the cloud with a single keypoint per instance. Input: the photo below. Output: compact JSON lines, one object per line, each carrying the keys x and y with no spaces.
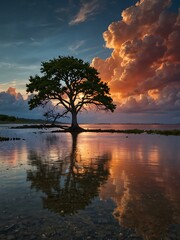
{"x":143,"y":71}
{"x":13,"y":103}
{"x":136,"y":21}
{"x":168,"y":100}
{"x":15,"y":43}
{"x":87,"y":9}
{"x":74,"y":47}
{"x":18,"y":66}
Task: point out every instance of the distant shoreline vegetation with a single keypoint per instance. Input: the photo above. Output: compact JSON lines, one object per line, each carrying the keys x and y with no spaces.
{"x":11,"y":119}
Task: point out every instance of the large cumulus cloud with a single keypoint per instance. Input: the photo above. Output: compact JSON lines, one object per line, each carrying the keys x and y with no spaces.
{"x":143,"y":70}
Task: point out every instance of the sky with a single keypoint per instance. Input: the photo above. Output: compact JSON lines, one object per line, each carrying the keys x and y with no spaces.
{"x":133,"y":44}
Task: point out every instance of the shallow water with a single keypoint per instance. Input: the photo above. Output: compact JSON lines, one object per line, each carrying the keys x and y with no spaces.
{"x":89,"y":186}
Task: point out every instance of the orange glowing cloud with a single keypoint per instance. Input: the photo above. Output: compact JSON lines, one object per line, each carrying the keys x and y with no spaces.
{"x":12,"y":91}
{"x":143,"y":70}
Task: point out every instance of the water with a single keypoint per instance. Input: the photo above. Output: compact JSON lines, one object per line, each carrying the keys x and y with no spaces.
{"x":124,"y":126}
{"x":90,"y":185}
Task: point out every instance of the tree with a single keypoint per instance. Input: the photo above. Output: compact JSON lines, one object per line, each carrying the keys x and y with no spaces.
{"x":73,"y":83}
{"x":52,"y":114}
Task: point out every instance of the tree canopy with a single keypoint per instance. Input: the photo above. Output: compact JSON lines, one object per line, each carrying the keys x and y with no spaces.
{"x":73,"y":83}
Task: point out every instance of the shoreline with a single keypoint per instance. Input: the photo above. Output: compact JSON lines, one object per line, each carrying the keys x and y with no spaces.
{"x":66,"y":129}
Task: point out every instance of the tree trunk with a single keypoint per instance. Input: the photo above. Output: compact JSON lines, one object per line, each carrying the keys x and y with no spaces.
{"x":74,"y":123}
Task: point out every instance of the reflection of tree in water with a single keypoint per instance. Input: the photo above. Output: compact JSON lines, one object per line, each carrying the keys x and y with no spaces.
{"x":70,"y":183}
{"x":142,"y":202}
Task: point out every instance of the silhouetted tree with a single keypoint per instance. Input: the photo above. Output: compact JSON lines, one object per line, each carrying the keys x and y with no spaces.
{"x":73,"y":83}
{"x":52,"y":114}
